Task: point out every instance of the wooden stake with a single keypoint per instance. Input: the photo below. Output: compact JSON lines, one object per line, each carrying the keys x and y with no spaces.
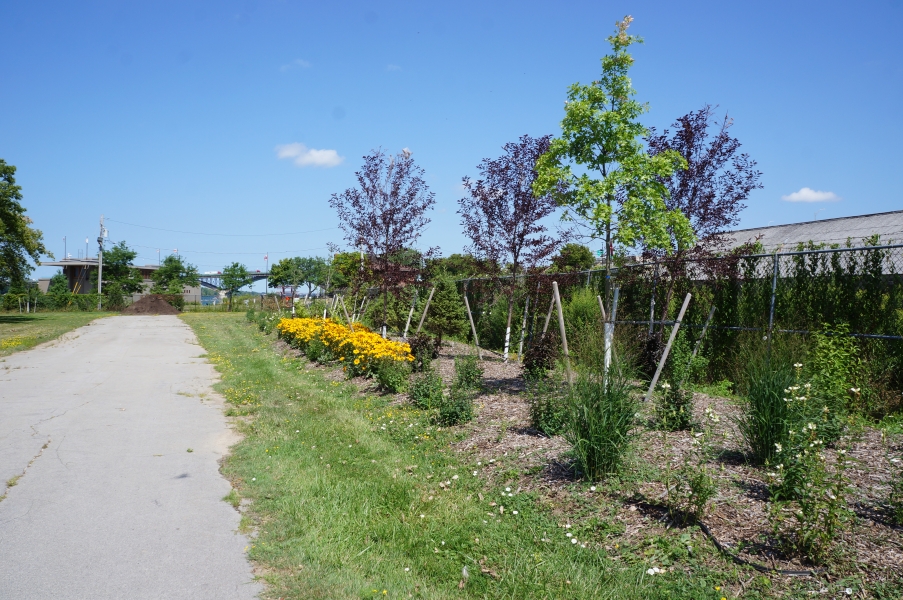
{"x":564,"y":339}
{"x":661,"y":363}
{"x":602,"y":308}
{"x":425,"y":309}
{"x":548,"y":315}
{"x":347,"y":318}
{"x":472,"y":326}
{"x":410,"y":314}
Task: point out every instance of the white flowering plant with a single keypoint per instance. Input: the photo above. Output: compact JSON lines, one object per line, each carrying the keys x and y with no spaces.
{"x":808,"y":506}
{"x":692,"y":486}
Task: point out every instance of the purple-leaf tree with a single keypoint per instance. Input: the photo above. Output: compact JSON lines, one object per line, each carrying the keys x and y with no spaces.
{"x":718,"y":179}
{"x":384,"y":217}
{"x":502,"y":217}
{"x":710,"y":192}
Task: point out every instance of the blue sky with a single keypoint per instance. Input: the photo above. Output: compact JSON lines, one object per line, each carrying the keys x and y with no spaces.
{"x":169,"y":114}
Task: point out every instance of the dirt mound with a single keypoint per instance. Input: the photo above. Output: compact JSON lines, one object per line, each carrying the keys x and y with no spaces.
{"x":153,"y":304}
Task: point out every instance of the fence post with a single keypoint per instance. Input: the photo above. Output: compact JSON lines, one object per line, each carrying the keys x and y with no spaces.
{"x":661,"y":363}
{"x":774,"y":287}
{"x":564,"y":339}
{"x":652,"y":301}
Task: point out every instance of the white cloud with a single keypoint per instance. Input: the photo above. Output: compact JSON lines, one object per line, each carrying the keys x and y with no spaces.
{"x":809,"y":195}
{"x":393,"y":68}
{"x":303,"y":156}
{"x":298,"y":63}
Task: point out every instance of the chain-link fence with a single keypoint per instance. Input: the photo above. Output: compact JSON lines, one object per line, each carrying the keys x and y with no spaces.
{"x":737,"y":300}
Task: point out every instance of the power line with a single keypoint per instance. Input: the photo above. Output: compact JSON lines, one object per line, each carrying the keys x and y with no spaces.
{"x":222,"y":234}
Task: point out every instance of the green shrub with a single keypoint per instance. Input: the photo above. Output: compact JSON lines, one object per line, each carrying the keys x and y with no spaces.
{"x":601,"y":415}
{"x":468,"y":372}
{"x":426,"y":390}
{"x":766,"y":416}
{"x":425,"y":349}
{"x":455,"y":408}
{"x":674,"y":408}
{"x":808,"y":507}
{"x":316,"y":350}
{"x":692,"y":486}
{"x":393,"y":375}
{"x":540,"y":357}
{"x":548,"y":407}
{"x":682,"y":369}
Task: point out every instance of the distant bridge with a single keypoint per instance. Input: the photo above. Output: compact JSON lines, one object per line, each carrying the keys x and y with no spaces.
{"x":213,"y":281}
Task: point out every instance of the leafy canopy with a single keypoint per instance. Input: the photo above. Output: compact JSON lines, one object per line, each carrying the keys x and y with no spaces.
{"x":174,"y":275}
{"x":118,"y":269}
{"x":235,"y":277}
{"x":601,"y":135}
{"x":18,"y":241}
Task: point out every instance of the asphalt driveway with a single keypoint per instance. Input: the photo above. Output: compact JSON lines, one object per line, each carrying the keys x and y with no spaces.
{"x":109,"y":502}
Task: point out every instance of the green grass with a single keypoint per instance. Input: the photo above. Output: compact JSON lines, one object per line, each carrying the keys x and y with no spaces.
{"x":347,"y":503}
{"x":24,"y":331}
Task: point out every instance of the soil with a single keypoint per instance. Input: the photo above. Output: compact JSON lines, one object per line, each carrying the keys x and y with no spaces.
{"x":151,"y":305}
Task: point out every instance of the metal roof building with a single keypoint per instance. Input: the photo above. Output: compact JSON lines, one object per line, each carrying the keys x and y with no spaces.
{"x":888,"y":225}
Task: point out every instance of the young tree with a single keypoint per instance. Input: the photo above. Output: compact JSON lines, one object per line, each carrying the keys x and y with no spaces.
{"x":235,"y":277}
{"x":118,"y":270}
{"x":502,"y":216}
{"x":446,"y":315}
{"x":174,"y":275}
{"x":385,"y":214}
{"x":712,"y":190}
{"x":18,"y":241}
{"x":601,"y":134}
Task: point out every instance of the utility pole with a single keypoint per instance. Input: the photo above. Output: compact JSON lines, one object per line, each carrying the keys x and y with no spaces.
{"x":103,"y":234}
{"x":65,"y":250}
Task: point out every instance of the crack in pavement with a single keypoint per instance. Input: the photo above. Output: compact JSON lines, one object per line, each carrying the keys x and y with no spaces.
{"x":14,"y":481}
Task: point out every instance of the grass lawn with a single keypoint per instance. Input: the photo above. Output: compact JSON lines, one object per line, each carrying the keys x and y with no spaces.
{"x":356,"y":497}
{"x":24,"y":331}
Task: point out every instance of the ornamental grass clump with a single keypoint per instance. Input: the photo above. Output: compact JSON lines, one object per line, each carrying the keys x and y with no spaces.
{"x":766,"y":416}
{"x":601,"y":414}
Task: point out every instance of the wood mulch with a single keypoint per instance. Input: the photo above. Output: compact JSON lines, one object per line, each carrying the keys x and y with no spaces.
{"x":870,"y":549}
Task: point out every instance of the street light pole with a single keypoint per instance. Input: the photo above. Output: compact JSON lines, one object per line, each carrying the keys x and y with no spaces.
{"x":103,"y":234}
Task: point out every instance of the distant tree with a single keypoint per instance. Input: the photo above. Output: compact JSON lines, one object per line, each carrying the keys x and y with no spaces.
{"x":235,"y":277}
{"x":59,"y":284}
{"x":718,"y":179}
{"x":19,"y":242}
{"x":446,"y":315}
{"x":459,"y":266}
{"x":601,"y":135}
{"x":118,"y":269}
{"x":384,"y":215}
{"x":502,"y":217}
{"x":174,"y":275}
{"x":574,"y":257}
{"x":313,"y":272}
{"x":287,"y":273}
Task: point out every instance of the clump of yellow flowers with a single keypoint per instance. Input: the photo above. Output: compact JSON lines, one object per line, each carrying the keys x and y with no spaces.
{"x":360,"y":350}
